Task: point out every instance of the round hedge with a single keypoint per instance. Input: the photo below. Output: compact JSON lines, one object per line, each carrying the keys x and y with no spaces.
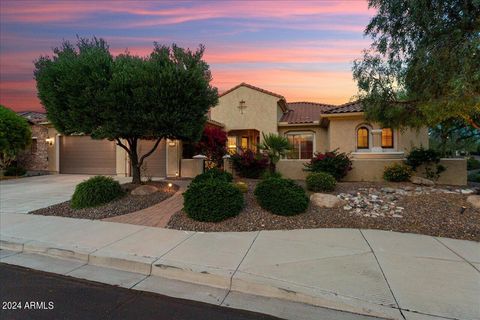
{"x":321,"y":182}
{"x":397,"y":172}
{"x":281,"y":196}
{"x":96,"y":191}
{"x":212,"y":201}
{"x":215,"y":174}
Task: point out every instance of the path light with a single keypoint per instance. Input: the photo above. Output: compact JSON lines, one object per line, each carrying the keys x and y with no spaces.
{"x":170,"y":184}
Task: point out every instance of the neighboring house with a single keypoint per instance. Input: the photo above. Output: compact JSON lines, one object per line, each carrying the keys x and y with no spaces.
{"x":35,"y":156}
{"x":245,"y":112}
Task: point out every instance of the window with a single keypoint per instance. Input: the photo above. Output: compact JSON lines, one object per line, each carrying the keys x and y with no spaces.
{"x":232,"y":144}
{"x":362,"y":138}
{"x":33,"y":146}
{"x":244,"y":143}
{"x":302,"y":145}
{"x":387,"y":138}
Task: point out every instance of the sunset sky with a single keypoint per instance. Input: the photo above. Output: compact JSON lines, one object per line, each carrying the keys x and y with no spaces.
{"x":302,"y":50}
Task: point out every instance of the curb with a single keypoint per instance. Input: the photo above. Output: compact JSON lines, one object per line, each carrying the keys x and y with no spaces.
{"x":233,"y":281}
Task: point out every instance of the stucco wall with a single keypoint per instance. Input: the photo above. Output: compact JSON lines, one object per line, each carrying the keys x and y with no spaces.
{"x":292,"y":169}
{"x":321,"y":136}
{"x":262,"y":112}
{"x":52,"y":150}
{"x":190,"y":168}
{"x":409,"y":138}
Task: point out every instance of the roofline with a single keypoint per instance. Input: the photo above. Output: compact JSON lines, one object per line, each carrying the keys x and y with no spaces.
{"x":243,"y":84}
{"x":342,"y":114}
{"x":298,"y":124}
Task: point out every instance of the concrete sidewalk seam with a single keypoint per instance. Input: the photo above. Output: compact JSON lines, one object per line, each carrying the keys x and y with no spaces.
{"x":83,"y":265}
{"x":465,"y":260}
{"x":170,"y":250}
{"x":383,"y":273}
{"x":238,"y":266}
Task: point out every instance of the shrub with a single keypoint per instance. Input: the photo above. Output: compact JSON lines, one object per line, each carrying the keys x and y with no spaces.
{"x":213,"y":144}
{"x":397,"y":172}
{"x":96,"y":191}
{"x":212,"y":201}
{"x":213,"y":174}
{"x":242,"y":186}
{"x":249,"y":164}
{"x":474,"y":177}
{"x":427,"y":157}
{"x":14,"y":171}
{"x":281,"y":196}
{"x":335,"y":163}
{"x":320,"y":182}
{"x":269,"y":174}
{"x":473,"y":164}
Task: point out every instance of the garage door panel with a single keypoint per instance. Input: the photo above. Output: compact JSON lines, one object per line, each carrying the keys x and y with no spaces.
{"x":84,"y":155}
{"x":155,"y":163}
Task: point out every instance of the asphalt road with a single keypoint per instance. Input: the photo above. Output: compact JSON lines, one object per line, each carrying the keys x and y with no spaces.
{"x":49,"y":296}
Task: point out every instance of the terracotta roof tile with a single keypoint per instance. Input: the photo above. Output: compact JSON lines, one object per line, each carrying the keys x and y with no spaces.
{"x":243,"y":84}
{"x":304,"y":112}
{"x":354,"y":106}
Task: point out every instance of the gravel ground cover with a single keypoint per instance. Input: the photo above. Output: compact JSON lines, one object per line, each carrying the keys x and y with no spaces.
{"x":126,"y":204}
{"x":440,"y":211}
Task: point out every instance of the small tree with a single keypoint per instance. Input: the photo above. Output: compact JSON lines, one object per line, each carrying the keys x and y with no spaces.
{"x":15,"y":136}
{"x":213,"y":144}
{"x":276,"y":147}
{"x":126,"y":98}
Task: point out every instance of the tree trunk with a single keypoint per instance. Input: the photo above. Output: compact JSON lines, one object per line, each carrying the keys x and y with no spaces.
{"x":273,"y":167}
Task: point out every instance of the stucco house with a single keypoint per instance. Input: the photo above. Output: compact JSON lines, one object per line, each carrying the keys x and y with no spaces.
{"x":245,"y":112}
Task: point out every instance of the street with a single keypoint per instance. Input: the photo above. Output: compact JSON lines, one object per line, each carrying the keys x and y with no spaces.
{"x":43,"y":295}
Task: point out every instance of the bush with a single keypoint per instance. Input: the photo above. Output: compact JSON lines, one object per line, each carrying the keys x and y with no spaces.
{"x":249,"y":164}
{"x":242,"y":186}
{"x":397,"y":172}
{"x":427,"y":157}
{"x":320,"y":182}
{"x":213,"y":174}
{"x":212,"y":201}
{"x":281,"y":196}
{"x":14,"y":171}
{"x":96,"y":191}
{"x":474,"y":177}
{"x":335,"y":163}
{"x":473,"y":164}
{"x":268,"y":175}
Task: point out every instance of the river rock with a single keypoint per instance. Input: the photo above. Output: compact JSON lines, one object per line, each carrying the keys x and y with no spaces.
{"x":421,"y":181}
{"x":326,"y":200}
{"x":144,"y":190}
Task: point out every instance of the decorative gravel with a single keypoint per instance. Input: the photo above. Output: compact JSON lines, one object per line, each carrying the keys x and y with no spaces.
{"x":124,"y":205}
{"x":425,"y":210}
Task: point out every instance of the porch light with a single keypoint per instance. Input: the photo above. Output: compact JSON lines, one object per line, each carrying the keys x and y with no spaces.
{"x":172,"y":143}
{"x":50,"y":141}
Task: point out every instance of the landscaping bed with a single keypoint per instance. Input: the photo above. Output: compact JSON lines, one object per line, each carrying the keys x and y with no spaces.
{"x":126,"y":204}
{"x":438,"y":211}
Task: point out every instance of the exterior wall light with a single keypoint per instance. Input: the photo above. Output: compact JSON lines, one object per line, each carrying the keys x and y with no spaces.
{"x":50,"y":141}
{"x":172,"y":143}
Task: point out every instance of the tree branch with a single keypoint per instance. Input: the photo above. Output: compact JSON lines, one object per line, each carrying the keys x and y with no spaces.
{"x":473,"y":123}
{"x":119,"y":143}
{"x":149,"y":152}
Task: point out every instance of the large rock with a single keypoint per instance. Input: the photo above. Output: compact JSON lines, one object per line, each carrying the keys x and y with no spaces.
{"x":474,"y":200}
{"x":326,"y":200}
{"x":422,"y":181}
{"x":144,"y":190}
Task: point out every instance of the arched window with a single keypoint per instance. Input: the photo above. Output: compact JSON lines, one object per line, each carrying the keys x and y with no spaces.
{"x":387,"y":138}
{"x":362,"y":138}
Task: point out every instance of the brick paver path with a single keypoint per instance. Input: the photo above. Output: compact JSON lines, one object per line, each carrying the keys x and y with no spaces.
{"x":157,"y":215}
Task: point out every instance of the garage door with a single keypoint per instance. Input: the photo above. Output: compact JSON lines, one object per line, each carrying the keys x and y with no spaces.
{"x":155,"y":164}
{"x":82,"y":154}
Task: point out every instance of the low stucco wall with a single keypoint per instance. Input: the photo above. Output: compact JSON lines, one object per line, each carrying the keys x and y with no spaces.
{"x":190,"y":168}
{"x":372,"y":170}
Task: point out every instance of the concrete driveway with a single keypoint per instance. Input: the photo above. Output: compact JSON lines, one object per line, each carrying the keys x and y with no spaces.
{"x":28,"y":194}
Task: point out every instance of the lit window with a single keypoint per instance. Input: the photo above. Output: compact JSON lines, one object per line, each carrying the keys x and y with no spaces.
{"x":387,"y":138}
{"x":244,"y":143}
{"x":362,"y":138}
{"x":302,"y":145}
{"x":232,"y":144}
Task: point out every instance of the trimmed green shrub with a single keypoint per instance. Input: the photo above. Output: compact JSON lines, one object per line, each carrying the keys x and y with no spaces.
{"x":269,"y":174}
{"x":321,"y":182}
{"x":397,"y":172}
{"x":215,"y":174}
{"x":242,"y":186}
{"x":281,"y":196}
{"x":473,"y":164}
{"x":212,"y":201}
{"x":249,"y":164}
{"x":429,"y":158}
{"x":96,"y":191}
{"x":14,"y":171}
{"x":335,"y":163}
{"x":474,"y":177}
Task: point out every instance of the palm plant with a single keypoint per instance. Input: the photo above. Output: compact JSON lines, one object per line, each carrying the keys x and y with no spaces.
{"x":276,"y":147}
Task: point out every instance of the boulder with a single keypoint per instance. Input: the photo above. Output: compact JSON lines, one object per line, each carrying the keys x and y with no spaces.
{"x":325,"y":200}
{"x":474,"y":200}
{"x":422,"y":181}
{"x":144,"y":190}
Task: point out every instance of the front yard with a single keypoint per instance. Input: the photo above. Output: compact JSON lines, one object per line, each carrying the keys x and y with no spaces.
{"x":405,"y":207}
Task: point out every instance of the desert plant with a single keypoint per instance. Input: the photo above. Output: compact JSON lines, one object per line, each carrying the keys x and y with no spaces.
{"x":212,"y":201}
{"x":268,"y":175}
{"x":281,"y":196}
{"x":474,"y":177}
{"x":249,"y":164}
{"x":429,"y":158}
{"x":213,"y":174}
{"x":14,"y":171}
{"x":397,"y":172}
{"x":473,"y":164}
{"x":96,"y":191}
{"x":276,"y":146}
{"x":320,"y":182}
{"x":242,"y":186}
{"x":335,"y":163}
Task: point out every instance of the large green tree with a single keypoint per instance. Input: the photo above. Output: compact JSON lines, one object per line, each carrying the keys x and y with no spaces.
{"x":85,"y":89}
{"x":15,"y":136}
{"x":423,"y":67}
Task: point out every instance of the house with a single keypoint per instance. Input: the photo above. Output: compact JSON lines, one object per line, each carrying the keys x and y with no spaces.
{"x":35,"y":157}
{"x":245,"y":112}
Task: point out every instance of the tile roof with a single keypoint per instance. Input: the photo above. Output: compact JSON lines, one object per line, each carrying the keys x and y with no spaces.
{"x":33,"y":116}
{"x":354,"y":106}
{"x":304,"y":112}
{"x":243,"y":84}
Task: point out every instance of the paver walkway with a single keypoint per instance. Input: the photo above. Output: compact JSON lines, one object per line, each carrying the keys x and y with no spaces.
{"x":157,"y":215}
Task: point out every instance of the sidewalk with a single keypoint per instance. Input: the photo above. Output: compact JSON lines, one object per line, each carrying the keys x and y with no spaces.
{"x":375,"y":273}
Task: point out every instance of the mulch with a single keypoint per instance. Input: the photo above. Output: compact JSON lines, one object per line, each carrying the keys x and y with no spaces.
{"x":435,"y":214}
{"x":123,"y":205}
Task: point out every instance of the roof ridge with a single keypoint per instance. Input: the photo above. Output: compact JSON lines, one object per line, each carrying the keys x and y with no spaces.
{"x":244,"y":84}
{"x":314,"y":103}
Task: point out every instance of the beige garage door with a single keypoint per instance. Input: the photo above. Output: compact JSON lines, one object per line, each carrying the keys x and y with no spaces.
{"x":82,"y":154}
{"x":155,"y":165}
